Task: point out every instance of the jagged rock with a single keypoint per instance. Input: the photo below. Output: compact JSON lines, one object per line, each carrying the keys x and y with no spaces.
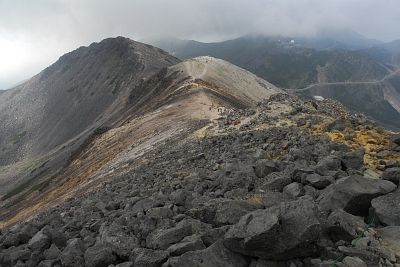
{"x":125,"y":264}
{"x":396,"y":139}
{"x":99,"y":255}
{"x":300,"y":173}
{"x":294,"y":190}
{"x":159,"y":213}
{"x":318,"y":181}
{"x":269,"y":198}
{"x":282,"y":232}
{"x":72,"y":255}
{"x":387,"y":208}
{"x":143,"y":205}
{"x":40,"y":241}
{"x":344,"y":226}
{"x":230,"y":212}
{"x":118,"y":239}
{"x":354,"y":160}
{"x":353,"y":262}
{"x":276,"y":181}
{"x":264,"y":167}
{"x":163,"y":238}
{"x":10,"y":239}
{"x":19,"y":254}
{"x":327,"y":164}
{"x":57,"y":237}
{"x":178,"y":197}
{"x":392,"y":174}
{"x":369,"y":257}
{"x":216,"y":255}
{"x":211,"y":236}
{"x":142,"y":257}
{"x":354,"y":194}
{"x":26,"y":233}
{"x":189,"y":243}
{"x":49,"y":263}
{"x":390,"y":239}
{"x":51,"y":253}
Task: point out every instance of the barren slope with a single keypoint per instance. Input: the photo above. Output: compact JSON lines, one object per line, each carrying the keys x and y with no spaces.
{"x":170,"y":105}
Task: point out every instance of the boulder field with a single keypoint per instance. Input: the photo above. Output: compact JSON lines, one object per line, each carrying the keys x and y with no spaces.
{"x":281,"y":184}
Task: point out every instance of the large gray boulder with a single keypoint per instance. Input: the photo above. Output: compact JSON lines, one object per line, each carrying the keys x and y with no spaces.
{"x":72,"y":255}
{"x":40,"y":241}
{"x":230,"y":211}
{"x":276,"y":181}
{"x":354,"y":194}
{"x":328,"y":164}
{"x":142,"y":257}
{"x":264,"y":167}
{"x":283,"y":232}
{"x":387,"y":208}
{"x":390,"y":239}
{"x":217,"y":255}
{"x":392,"y":174}
{"x":99,"y":255}
{"x":354,"y":159}
{"x":164,"y":238}
{"x":118,"y":239}
{"x":189,"y":243}
{"x":344,"y":226}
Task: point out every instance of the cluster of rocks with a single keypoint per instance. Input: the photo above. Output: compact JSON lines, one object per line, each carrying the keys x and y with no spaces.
{"x":272,"y":196}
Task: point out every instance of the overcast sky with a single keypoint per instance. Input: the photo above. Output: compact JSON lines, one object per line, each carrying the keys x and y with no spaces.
{"x":34,"y":33}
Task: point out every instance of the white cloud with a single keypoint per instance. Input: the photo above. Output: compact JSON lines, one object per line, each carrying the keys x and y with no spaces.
{"x":35,"y":33}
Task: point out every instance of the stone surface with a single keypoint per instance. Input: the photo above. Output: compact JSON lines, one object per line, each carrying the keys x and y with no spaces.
{"x":264,"y":167}
{"x":318,"y":181}
{"x":189,"y":243}
{"x":216,"y":255}
{"x":353,"y":262}
{"x":344,"y":226}
{"x":142,"y":257}
{"x":118,"y":239}
{"x":72,"y":255}
{"x":354,"y":194}
{"x":99,"y":255}
{"x":282,"y":232}
{"x":354,"y":160}
{"x":387,"y":208}
{"x":392,"y":174}
{"x":294,"y":190}
{"x":40,"y":241}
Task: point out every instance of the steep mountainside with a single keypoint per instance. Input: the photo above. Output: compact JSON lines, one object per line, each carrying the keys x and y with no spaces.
{"x":49,"y":117}
{"x":98,"y":135}
{"x":72,"y":95}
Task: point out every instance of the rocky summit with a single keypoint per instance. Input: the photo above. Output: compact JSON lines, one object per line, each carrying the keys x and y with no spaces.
{"x":229,"y":171}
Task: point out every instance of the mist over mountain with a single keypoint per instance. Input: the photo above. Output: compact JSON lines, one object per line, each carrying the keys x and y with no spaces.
{"x":336,"y":66}
{"x":232,"y":134}
{"x":120,"y":153}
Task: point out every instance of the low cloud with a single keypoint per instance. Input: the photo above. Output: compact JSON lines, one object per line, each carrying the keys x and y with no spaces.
{"x":33,"y":34}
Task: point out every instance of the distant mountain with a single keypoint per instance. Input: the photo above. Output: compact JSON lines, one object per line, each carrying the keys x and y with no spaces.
{"x":281,"y":61}
{"x":360,"y":79}
{"x":339,"y":39}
